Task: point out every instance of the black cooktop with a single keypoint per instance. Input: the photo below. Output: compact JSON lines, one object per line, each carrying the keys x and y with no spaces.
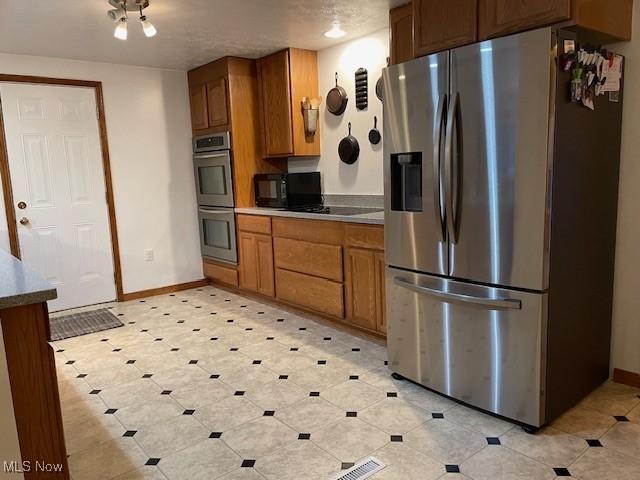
{"x":321,"y":209}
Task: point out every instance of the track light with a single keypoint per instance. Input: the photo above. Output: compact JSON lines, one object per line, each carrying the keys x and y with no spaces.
{"x":121,"y":30}
{"x":119,"y":15}
{"x":147,"y":26}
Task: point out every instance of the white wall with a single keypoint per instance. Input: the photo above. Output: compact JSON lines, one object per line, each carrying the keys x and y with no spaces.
{"x":148,"y":124}
{"x":365,"y":176}
{"x":9,"y":446}
{"x":626,"y":308}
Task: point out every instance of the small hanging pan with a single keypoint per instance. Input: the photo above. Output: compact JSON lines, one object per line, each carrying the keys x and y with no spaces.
{"x":349,"y":148}
{"x":337,"y":99}
{"x":374,"y":133}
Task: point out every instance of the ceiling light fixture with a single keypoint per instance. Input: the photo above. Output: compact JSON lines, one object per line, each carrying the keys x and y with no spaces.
{"x":335,"y":32}
{"x":119,"y":14}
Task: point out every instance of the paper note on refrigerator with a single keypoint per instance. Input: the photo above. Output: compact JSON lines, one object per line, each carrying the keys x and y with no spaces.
{"x":612,"y":71}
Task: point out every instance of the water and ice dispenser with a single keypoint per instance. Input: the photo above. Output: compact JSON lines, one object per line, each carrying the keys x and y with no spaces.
{"x":406,"y":182}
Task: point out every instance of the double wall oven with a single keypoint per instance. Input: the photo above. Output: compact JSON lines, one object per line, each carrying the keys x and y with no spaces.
{"x":214,"y":189}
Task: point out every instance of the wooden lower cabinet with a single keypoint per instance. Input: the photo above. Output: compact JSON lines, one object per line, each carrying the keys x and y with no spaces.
{"x":217,"y":273}
{"x":381,"y":294}
{"x":365,"y":300}
{"x":256,"y":263}
{"x":310,"y":292}
{"x":315,"y":259}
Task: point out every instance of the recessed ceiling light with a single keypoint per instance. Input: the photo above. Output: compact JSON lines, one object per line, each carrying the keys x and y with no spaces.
{"x":335,"y":32}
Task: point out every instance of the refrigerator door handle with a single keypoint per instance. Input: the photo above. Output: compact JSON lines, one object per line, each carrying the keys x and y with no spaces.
{"x":437,"y":166}
{"x":490,"y":303}
{"x":451,"y":185}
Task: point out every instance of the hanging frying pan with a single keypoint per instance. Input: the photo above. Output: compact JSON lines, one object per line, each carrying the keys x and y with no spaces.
{"x":374,"y":133}
{"x":349,"y":148}
{"x":379,"y":88}
{"x":337,"y":99}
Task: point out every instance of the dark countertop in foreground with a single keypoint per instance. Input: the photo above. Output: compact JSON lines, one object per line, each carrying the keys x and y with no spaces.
{"x":19,"y":285}
{"x":375,"y":218}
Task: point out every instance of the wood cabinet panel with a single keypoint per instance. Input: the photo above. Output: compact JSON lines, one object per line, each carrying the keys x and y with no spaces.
{"x":256,"y":263}
{"x":275,"y":98}
{"x":361,"y":288}
{"x":304,"y":83}
{"x":401,"y":34}
{"x":254,"y":223}
{"x":501,"y":17}
{"x":318,"y":231}
{"x":220,"y":274}
{"x":217,"y":103}
{"x":316,"y":259}
{"x":310,"y":292}
{"x":365,"y":236}
{"x":439,"y":25}
{"x":198,"y":102}
{"x":264,"y":253}
{"x":381,"y":293}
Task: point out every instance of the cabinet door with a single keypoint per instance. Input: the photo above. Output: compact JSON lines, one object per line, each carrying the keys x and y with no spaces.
{"x":248,"y":261}
{"x":440,"y":25}
{"x":500,"y":17}
{"x":381,"y":306}
{"x":401,"y":34}
{"x":264,"y":254}
{"x":362,"y":308}
{"x":198,"y":101}
{"x":217,"y":102}
{"x":276,"y":104}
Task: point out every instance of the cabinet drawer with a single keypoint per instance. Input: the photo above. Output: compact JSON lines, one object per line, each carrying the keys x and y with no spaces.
{"x":221,"y":274}
{"x":254,"y":223}
{"x":314,"y":293}
{"x":365,"y":236}
{"x":312,"y":258}
{"x":318,"y":231}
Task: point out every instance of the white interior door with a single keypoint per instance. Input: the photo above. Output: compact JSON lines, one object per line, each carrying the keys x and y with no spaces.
{"x":55,"y":160}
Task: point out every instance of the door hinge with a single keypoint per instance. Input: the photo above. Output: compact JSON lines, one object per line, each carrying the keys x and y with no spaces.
{"x":97,"y":112}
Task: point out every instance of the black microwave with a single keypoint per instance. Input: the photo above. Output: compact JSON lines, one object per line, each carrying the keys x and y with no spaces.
{"x":288,"y":190}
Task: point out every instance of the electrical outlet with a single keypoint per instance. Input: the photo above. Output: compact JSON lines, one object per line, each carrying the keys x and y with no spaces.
{"x":148,"y":255}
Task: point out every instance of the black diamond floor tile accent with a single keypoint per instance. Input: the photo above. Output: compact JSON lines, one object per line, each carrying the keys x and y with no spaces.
{"x":280,"y":320}
{"x":130,"y":362}
{"x":116,"y":350}
{"x":60,"y":350}
{"x":562,"y":472}
{"x":248,"y":329}
{"x":153,"y":461}
{"x":215,"y":435}
{"x":196,"y":330}
{"x":621,"y":418}
{"x":260,"y":313}
{"x":594,"y":443}
{"x":233,"y":349}
{"x":293,"y":349}
{"x":248,"y":463}
{"x":257,"y":362}
{"x":111,"y":411}
{"x":175,"y":349}
{"x":189,"y":411}
{"x":493,"y":440}
{"x":283,"y":377}
{"x":352,"y":414}
{"x":214,"y":376}
{"x":437,"y":415}
{"x":355,"y":349}
{"x":452,"y":468}
{"x":193,"y":362}
{"x":353,"y":377}
{"x":322,"y":362}
{"x":132,"y":323}
{"x":82,"y":375}
{"x":70,"y":362}
{"x":94,"y":392}
{"x":302,"y":328}
{"x":213,"y":339}
{"x":130,"y":433}
{"x":396,"y":438}
{"x":326,"y":339}
{"x":268,"y":413}
{"x":271,"y":338}
{"x":386,"y":362}
{"x":239,"y":393}
{"x":229,"y":321}
{"x":144,"y":330}
{"x":121,"y":314}
{"x":147,"y":375}
{"x":180,"y":321}
{"x":165,"y":392}
{"x":157,"y":339}
{"x":104,"y":340}
{"x":392,"y":394}
{"x":314,"y":394}
{"x":347,"y":465}
{"x":304,"y":436}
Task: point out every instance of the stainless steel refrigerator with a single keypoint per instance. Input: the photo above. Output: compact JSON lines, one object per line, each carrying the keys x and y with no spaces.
{"x":500,"y":222}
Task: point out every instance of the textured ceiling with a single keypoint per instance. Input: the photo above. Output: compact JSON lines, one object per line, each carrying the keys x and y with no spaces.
{"x":190,"y":32}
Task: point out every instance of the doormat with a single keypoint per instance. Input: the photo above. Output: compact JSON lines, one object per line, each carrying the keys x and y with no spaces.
{"x":83,"y":323}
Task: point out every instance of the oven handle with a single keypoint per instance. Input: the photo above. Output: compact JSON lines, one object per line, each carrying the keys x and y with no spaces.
{"x":491,"y":303}
{"x":199,"y":156}
{"x":215,"y":212}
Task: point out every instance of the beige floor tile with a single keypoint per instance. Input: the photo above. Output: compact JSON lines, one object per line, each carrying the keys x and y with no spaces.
{"x":445,"y":441}
{"x":259,"y":437}
{"x":499,"y":463}
{"x":613,"y":399}
{"x":424,"y":398}
{"x":276,"y":394}
{"x":634,"y":415}
{"x":549,"y":446}
{"x":132,"y":393}
{"x":623,"y":437}
{"x":106,"y":378}
{"x":584,"y":423}
{"x":161,"y":362}
{"x":143,"y":473}
{"x":403,"y":463}
{"x":228,"y":413}
{"x":199,"y":394}
{"x":294,"y":361}
{"x":319,"y":377}
{"x":208,"y":459}
{"x":180,"y":377}
{"x":394,"y":416}
{"x":157,"y":409}
{"x":248,"y":377}
{"x":242,"y":474}
{"x":219,"y":364}
{"x":299,"y":460}
{"x":483,"y":423}
{"x":310,"y":414}
{"x":89,"y":431}
{"x":107,"y":460}
{"x":76,"y":408}
{"x":353,"y":395}
{"x":171,"y":436}
{"x":350,"y":439}
{"x":604,"y":463}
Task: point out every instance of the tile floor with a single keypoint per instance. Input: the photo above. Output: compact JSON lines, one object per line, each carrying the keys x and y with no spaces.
{"x":206,"y":384}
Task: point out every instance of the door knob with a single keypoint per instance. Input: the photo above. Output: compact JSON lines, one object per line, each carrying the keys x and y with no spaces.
{"x":24,"y":221}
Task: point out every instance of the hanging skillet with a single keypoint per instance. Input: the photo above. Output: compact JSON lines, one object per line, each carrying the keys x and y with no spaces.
{"x":337,"y":99}
{"x":374,"y":133}
{"x":349,"y":149}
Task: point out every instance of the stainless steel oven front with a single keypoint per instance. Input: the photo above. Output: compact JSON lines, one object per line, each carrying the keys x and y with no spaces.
{"x":212,"y":168}
{"x":218,"y":234}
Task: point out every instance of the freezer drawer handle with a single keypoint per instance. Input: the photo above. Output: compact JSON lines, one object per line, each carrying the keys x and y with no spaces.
{"x":491,"y":303}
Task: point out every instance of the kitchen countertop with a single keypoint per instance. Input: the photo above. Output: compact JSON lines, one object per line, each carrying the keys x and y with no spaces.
{"x":375,"y":218}
{"x":19,"y":285}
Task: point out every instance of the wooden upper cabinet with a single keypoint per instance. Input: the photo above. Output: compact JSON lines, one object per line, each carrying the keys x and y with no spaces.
{"x":217,"y":103}
{"x":401,"y":34}
{"x":198,"y":102}
{"x":501,"y":17}
{"x":440,"y":25}
{"x":283,"y":79}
